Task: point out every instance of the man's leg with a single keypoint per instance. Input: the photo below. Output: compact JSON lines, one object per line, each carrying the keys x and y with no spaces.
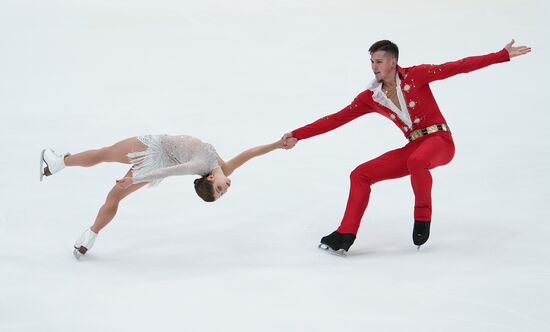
{"x":391,"y":165}
{"x":432,"y":152}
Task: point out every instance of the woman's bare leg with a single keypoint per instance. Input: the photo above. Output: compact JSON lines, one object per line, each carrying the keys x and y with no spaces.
{"x":115,"y":153}
{"x":108,"y":210}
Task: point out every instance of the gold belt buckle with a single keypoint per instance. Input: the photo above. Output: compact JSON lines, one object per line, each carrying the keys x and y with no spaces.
{"x":431,"y":129}
{"x":427,"y":131}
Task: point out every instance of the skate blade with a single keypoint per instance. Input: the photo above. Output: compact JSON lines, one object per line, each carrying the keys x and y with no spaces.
{"x":42,"y":165}
{"x":339,"y":252}
{"x":79,"y":252}
{"x":418,"y":248}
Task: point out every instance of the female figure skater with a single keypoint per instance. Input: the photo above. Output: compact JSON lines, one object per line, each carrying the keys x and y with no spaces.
{"x":153,"y":157}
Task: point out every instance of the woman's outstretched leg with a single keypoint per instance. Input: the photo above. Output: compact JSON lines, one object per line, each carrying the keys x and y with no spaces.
{"x":106,"y":213}
{"x":52,"y":162}
{"x":117,"y":152}
{"x":109,"y":209}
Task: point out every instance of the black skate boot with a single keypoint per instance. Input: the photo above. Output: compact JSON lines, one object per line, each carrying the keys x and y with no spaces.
{"x":337,"y":243}
{"x":421,"y":232}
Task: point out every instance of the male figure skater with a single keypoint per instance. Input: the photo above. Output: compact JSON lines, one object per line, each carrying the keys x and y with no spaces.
{"x":402,"y":95}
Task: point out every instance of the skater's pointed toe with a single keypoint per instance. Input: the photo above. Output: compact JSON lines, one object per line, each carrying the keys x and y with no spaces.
{"x":421,"y":232}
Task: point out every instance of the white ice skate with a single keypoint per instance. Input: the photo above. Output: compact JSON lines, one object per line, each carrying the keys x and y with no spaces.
{"x":84,"y":243}
{"x":51,"y":162}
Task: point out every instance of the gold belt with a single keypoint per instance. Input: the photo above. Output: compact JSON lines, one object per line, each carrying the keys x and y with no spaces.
{"x":428,"y":130}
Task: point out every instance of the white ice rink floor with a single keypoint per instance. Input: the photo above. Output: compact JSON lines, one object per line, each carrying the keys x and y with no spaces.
{"x":77,"y":75}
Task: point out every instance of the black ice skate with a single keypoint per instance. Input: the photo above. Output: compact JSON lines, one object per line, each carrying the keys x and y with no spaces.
{"x":337,"y":243}
{"x":421,"y":232}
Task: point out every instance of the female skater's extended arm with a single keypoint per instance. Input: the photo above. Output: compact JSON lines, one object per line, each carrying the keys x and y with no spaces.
{"x":243,"y":157}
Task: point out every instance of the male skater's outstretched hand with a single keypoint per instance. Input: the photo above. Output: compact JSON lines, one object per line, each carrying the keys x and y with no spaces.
{"x":516,"y":51}
{"x":289,"y":141}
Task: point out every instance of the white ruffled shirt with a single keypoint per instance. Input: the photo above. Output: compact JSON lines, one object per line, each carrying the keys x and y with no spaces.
{"x":379,"y":97}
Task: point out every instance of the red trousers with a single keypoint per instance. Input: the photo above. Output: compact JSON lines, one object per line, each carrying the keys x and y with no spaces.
{"x":416,"y":159}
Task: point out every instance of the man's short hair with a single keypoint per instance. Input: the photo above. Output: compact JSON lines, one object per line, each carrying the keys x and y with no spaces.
{"x":385,"y":45}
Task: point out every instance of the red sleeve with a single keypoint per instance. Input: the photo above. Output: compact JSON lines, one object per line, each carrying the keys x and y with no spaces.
{"x":429,"y":73}
{"x":358,"y":107}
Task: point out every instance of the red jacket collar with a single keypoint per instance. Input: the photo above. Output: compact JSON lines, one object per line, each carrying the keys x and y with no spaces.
{"x":401,"y":71}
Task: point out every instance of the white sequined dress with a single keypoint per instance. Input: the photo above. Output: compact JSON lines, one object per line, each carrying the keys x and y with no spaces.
{"x":168,"y":155}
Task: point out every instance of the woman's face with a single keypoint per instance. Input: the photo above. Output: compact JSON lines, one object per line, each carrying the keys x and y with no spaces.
{"x":221,"y":184}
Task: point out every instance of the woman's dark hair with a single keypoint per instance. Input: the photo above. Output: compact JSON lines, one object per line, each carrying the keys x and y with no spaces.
{"x":205,"y":188}
{"x":385,"y":45}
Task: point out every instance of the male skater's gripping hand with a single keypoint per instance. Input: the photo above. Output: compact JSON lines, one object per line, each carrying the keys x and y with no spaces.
{"x":288,"y":141}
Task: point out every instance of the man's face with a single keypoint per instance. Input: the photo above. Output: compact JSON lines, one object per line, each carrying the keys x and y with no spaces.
{"x":383,"y":65}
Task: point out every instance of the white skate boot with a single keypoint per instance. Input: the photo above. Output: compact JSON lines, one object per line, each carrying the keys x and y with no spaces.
{"x":84,"y":243}
{"x":51,"y":162}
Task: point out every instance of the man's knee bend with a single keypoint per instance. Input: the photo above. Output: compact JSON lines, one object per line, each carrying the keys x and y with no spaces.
{"x":414,"y":164}
{"x":360,"y":176}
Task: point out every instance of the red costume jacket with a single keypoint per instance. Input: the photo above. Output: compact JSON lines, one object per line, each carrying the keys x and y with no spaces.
{"x":418,"y":106}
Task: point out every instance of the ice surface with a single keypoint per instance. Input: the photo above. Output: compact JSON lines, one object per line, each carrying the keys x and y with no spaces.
{"x":83,"y":74}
